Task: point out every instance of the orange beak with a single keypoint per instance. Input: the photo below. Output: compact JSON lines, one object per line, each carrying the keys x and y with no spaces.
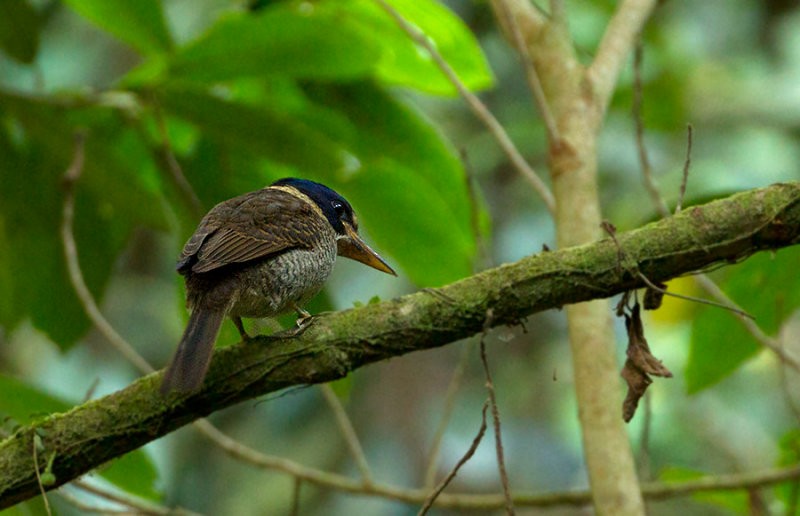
{"x":356,"y":249}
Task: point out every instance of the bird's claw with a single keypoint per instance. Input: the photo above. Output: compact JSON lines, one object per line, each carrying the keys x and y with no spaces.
{"x":303,"y":322}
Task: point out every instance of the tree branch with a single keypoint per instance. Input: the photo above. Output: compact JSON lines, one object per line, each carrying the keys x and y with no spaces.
{"x":618,"y":41}
{"x":97,"y":431}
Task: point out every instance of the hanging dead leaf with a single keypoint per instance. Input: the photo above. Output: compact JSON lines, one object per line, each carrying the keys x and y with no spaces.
{"x":639,"y":364}
{"x":653,"y":297}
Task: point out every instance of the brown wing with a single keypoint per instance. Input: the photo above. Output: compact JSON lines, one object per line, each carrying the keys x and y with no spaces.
{"x":251,"y":226}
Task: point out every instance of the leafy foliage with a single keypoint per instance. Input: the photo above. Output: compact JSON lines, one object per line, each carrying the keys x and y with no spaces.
{"x":320,"y":89}
{"x":292,"y":89}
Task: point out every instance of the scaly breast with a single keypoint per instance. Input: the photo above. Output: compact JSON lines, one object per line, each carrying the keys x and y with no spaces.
{"x":273,"y":286}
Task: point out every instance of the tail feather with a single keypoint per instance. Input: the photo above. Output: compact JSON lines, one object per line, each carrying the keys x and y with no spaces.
{"x":190,"y":363}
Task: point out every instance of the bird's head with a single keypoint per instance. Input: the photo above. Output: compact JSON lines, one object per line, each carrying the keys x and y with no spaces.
{"x":340,"y":215}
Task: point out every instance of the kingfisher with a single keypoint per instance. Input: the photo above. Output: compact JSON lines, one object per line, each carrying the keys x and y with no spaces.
{"x":260,"y":254}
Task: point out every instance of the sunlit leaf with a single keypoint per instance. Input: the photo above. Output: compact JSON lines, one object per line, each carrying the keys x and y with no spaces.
{"x":139,"y":23}
{"x":295,"y":40}
{"x":768,"y":287}
{"x":404,"y":62}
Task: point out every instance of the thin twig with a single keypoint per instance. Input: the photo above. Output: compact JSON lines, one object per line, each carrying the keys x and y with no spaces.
{"x":447,"y":412}
{"x":705,"y":282}
{"x":730,"y":306}
{"x":137,"y":506}
{"x":793,"y":499}
{"x":39,"y":476}
{"x":86,"y":508}
{"x":485,"y":260}
{"x":644,"y":159}
{"x":501,"y":464}
{"x":478,"y":108}
{"x":534,"y":84}
{"x":298,"y":484}
{"x":558,"y":14}
{"x":174,"y":168}
{"x":725,"y":305}
{"x":347,"y":431}
{"x":793,"y":496}
{"x":785,"y":387}
{"x":71,"y":176}
{"x":644,"y":448}
{"x":618,"y":40}
{"x":470,"y":452}
{"x":687,"y":163}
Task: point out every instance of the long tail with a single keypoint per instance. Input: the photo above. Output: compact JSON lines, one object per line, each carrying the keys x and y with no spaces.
{"x":190,"y":363}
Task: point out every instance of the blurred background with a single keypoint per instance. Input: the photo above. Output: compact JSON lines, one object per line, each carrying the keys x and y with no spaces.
{"x":731,"y":68}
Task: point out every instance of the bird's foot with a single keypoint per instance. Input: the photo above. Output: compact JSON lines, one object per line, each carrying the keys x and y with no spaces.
{"x":303,"y":323}
{"x":237,"y":321}
{"x":304,"y":320}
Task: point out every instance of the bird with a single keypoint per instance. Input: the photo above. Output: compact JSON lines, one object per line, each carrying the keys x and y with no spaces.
{"x":261,"y":254}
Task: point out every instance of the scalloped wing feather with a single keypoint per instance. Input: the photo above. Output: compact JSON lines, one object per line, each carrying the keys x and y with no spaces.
{"x":252,"y":226}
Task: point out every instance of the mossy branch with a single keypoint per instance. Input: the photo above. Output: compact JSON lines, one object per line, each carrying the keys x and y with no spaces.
{"x":338,"y":343}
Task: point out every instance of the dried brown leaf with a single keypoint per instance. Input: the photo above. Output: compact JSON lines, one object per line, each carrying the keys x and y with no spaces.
{"x":653,"y":297}
{"x":639,"y":365}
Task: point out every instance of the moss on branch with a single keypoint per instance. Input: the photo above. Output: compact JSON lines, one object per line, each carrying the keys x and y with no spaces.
{"x":337,"y":343}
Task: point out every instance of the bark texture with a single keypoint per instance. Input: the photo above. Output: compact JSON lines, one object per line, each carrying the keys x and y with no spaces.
{"x":95,"y":432}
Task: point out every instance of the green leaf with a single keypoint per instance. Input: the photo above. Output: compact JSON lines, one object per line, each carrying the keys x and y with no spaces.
{"x":343,"y":387}
{"x":295,"y":40}
{"x":26,"y":404}
{"x":403,"y":62}
{"x":407,"y":185}
{"x":33,"y":252}
{"x":257,"y":129}
{"x":411,"y":222}
{"x":19,"y":30}
{"x":139,"y":23}
{"x":376,"y":151}
{"x":134,"y":473}
{"x":768,"y":287}
{"x":27,"y":508}
{"x":41,"y":286}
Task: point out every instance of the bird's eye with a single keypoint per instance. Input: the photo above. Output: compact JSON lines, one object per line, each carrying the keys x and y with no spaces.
{"x":338,"y":208}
